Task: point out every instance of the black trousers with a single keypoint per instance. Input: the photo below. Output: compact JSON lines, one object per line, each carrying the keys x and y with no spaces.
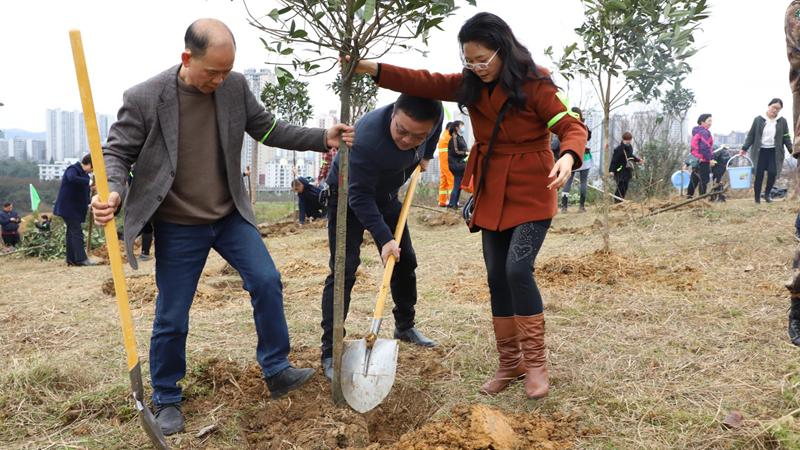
{"x":766,"y":162}
{"x":11,"y":239}
{"x":509,"y":256}
{"x":76,"y":246}
{"x":147,"y":237}
{"x":699,"y":179}
{"x":622,"y":180}
{"x":404,"y":278}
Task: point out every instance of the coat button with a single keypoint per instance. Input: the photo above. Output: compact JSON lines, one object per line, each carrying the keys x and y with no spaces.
{"x":159,"y":198}
{"x":172,"y":173}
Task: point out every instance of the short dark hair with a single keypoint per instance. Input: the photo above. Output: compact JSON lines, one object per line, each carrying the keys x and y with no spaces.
{"x":577,"y":110}
{"x":87,"y":159}
{"x":627,"y":136}
{"x":296,"y":183}
{"x":6,"y":204}
{"x":775,"y":100}
{"x":196,"y":41}
{"x":418,"y":108}
{"x":703,"y":118}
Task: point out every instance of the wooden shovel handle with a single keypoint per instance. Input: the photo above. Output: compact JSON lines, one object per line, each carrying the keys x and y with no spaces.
{"x":398,"y":234}
{"x":112,"y":242}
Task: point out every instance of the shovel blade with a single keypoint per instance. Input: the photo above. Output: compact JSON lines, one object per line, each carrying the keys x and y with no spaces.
{"x":151,"y":427}
{"x":364,"y":392}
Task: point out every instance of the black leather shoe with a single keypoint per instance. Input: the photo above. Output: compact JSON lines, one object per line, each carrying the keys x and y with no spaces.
{"x":287,"y":380}
{"x":794,"y":322}
{"x":413,"y":336}
{"x":327,"y":367}
{"x":169,"y":418}
{"x":86,"y":262}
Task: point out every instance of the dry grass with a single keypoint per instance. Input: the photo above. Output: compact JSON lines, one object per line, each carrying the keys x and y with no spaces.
{"x":650,"y":347}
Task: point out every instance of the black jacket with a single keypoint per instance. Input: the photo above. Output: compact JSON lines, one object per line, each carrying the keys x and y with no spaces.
{"x":783,"y":138}
{"x":456,"y":152}
{"x":73,"y":195}
{"x":619,"y":161}
{"x":378,"y":168}
{"x":308,"y":201}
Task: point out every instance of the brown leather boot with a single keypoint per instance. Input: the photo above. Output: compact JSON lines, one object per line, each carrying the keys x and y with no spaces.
{"x":531,"y":340}
{"x":511,"y":366}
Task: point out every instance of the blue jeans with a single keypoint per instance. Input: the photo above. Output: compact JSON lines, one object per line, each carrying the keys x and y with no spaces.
{"x":180,"y":257}
{"x":454,"y":196}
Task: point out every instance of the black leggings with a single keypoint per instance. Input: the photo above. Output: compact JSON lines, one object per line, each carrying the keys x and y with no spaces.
{"x":699,"y":178}
{"x":766,"y":162}
{"x":509,"y":257}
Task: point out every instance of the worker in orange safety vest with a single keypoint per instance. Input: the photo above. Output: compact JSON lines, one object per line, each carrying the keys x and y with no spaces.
{"x":445,"y":177}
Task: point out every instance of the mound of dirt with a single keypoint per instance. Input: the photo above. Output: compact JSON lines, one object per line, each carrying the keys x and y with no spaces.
{"x":612,"y":269}
{"x":440,"y":219}
{"x":301,"y":268}
{"x":479,"y":427}
{"x":307,"y":418}
{"x":210,"y":293}
{"x":289,"y":227}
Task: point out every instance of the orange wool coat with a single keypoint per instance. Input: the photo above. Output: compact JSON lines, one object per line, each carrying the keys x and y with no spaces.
{"x":515,"y":189}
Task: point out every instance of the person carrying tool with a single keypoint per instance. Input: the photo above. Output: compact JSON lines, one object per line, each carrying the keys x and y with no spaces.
{"x":390,"y":142}
{"x":307,"y":199}
{"x":446,"y":178}
{"x":183,"y":129}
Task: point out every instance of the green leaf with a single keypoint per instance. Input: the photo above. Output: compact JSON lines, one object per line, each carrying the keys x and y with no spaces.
{"x":369,"y":10}
{"x":281,"y":73}
{"x":287,"y":51}
{"x":299,"y":34}
{"x":275,"y":15}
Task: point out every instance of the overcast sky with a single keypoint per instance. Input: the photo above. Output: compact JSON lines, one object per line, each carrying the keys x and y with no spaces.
{"x":741,"y":66}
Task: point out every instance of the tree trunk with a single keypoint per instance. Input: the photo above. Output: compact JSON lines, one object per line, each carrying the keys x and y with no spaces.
{"x":605,"y":163}
{"x":341,"y":217}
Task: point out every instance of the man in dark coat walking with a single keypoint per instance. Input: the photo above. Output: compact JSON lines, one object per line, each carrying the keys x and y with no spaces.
{"x":9,"y":224}
{"x":72,"y":205}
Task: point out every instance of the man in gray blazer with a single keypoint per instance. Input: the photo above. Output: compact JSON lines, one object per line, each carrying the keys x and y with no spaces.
{"x":183,"y":129}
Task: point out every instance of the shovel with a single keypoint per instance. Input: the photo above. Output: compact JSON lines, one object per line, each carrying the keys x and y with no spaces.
{"x":369,"y":364}
{"x":149,"y":424}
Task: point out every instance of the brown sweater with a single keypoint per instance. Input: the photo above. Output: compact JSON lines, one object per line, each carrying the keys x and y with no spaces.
{"x":199,"y":194}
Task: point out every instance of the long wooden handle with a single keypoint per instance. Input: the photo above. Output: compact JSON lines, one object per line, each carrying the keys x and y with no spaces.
{"x":398,"y":234}
{"x":110,"y":229}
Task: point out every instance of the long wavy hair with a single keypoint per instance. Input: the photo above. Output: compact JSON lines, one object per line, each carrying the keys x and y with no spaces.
{"x":494,"y":33}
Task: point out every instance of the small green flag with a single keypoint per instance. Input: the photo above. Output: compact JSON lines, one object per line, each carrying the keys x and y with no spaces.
{"x":34,"y":199}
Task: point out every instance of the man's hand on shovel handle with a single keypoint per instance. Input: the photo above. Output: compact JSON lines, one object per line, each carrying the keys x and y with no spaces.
{"x":103,"y":212}
{"x":390,"y":248}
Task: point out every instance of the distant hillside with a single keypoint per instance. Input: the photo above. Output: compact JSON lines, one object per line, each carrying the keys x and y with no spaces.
{"x":12,"y":133}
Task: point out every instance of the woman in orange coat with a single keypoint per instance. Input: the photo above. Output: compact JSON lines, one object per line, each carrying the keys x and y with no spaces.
{"x":517,"y":196}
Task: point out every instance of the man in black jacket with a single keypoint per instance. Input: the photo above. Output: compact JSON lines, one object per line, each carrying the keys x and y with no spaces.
{"x":308,"y":202}
{"x":390,"y":142}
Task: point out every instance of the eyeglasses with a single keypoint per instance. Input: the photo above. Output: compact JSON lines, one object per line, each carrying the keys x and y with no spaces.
{"x":402,"y":132}
{"x":478,"y":66}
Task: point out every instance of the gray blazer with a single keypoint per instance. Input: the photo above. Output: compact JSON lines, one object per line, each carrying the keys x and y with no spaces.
{"x":146,"y":133}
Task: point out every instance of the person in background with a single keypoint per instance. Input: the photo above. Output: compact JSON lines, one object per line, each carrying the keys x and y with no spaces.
{"x":446,"y":178}
{"x":621,"y":166}
{"x":457,"y":152}
{"x":718,"y":168}
{"x":702,"y":149}
{"x":71,"y":205}
{"x":583,"y":171}
{"x":767,"y":137}
{"x":307,"y":199}
{"x":9,"y":224}
{"x":327,"y":160}
{"x":44,"y":224}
